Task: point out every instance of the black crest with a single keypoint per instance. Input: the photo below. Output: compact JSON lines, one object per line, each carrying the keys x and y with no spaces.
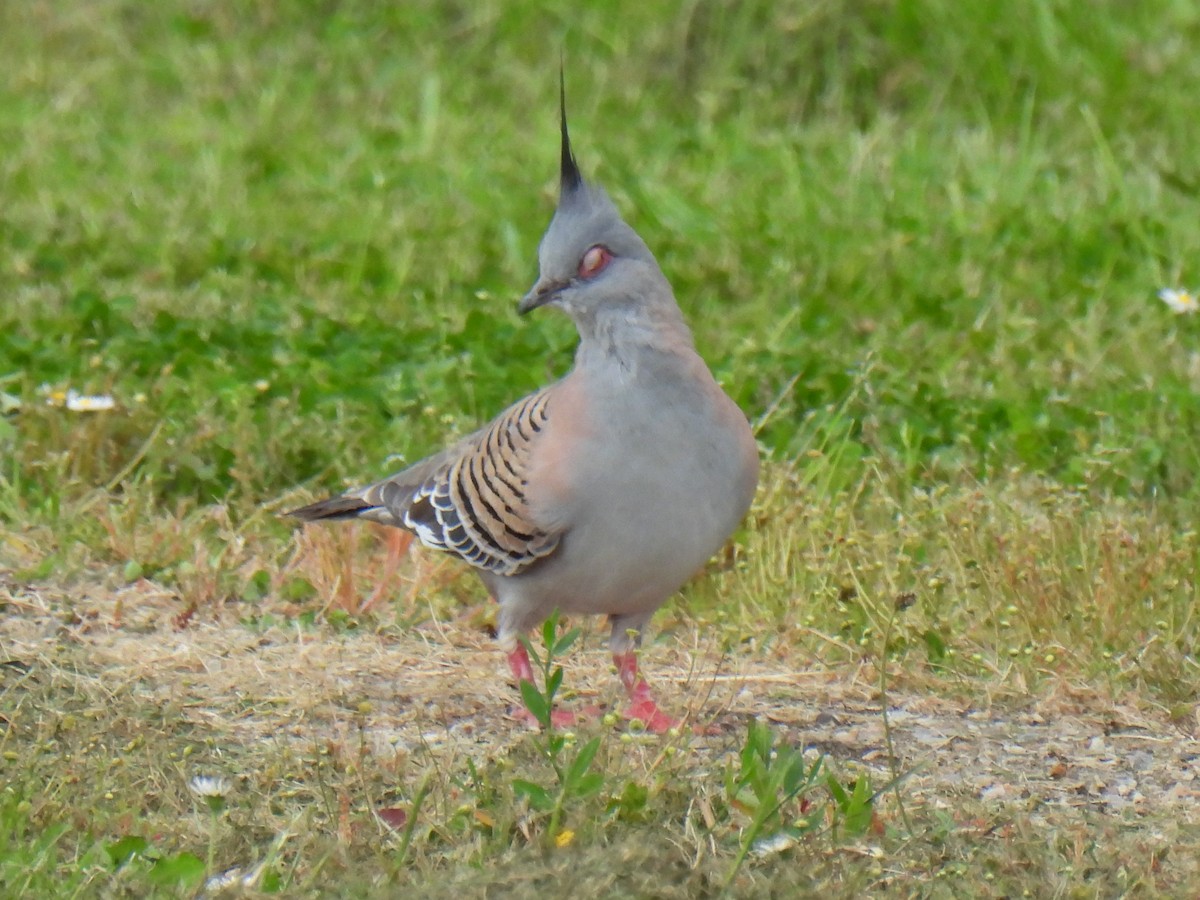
{"x":569,"y":178}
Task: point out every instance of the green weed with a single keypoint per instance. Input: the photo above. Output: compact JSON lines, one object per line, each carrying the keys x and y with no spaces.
{"x":575,"y":778}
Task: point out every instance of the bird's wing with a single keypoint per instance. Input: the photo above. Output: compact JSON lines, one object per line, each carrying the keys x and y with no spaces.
{"x":469,"y":500}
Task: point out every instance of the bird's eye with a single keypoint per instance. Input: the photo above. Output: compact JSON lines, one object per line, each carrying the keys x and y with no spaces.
{"x":594,"y":261}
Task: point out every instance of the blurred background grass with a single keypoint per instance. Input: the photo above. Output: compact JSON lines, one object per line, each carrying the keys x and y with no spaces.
{"x":291,"y":236}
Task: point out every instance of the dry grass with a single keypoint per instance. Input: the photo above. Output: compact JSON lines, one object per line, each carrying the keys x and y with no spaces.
{"x":1012,"y":768}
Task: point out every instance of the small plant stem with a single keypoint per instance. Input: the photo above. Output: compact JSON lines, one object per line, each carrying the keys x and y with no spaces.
{"x":410,"y":826}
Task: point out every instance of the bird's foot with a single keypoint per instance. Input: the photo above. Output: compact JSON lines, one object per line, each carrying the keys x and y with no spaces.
{"x":652,"y":719}
{"x":518,"y":662}
{"x":642,"y":707}
{"x":560,"y":718}
{"x":522,"y":669}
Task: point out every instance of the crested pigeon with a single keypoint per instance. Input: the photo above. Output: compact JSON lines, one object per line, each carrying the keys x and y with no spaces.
{"x":604,"y":492}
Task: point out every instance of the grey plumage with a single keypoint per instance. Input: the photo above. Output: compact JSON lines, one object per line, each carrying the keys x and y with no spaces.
{"x":604,"y":492}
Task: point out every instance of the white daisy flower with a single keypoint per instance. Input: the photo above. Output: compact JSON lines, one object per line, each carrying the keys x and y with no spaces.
{"x":76,"y":402}
{"x":89,"y":403}
{"x":207,"y":786}
{"x":1180,"y":301}
{"x":212,"y":790}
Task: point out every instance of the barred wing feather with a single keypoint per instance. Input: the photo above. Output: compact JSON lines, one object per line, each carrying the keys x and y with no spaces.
{"x":472,"y":499}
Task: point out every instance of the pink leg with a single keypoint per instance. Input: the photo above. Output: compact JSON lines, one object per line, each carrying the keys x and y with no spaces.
{"x":641,"y":705}
{"x":518,"y":661}
{"x":522,"y":669}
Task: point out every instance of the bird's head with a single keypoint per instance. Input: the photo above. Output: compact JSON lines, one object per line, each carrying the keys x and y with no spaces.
{"x":591,"y":263}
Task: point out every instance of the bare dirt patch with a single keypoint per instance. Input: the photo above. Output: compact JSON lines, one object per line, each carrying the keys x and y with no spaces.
{"x":444,"y":689}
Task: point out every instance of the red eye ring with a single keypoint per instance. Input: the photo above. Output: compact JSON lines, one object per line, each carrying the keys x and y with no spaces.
{"x":594,"y":261}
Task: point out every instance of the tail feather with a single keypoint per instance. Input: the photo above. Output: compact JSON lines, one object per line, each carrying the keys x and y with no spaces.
{"x":333,"y":508}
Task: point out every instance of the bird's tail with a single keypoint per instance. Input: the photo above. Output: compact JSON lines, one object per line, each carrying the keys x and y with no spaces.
{"x":333,"y":508}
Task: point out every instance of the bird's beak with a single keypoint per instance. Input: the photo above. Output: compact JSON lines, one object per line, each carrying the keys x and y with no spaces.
{"x":543,"y":292}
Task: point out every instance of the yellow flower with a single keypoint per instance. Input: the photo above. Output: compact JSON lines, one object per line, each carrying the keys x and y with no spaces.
{"x":564,"y":838}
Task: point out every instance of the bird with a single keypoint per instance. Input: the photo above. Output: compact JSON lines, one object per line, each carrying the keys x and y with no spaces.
{"x":606,"y":491}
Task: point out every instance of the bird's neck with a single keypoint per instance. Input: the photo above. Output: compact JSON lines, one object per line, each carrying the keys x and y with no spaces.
{"x":626,"y":341}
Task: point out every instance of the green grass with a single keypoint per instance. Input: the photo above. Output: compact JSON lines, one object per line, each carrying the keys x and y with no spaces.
{"x":918,"y":240}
